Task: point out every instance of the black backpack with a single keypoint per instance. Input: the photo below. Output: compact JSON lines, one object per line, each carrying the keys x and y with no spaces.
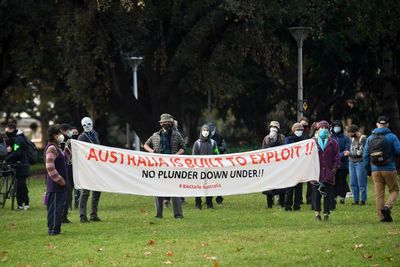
{"x":378,"y":150}
{"x":31,"y":151}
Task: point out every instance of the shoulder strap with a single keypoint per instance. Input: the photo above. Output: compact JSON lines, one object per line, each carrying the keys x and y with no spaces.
{"x":87,"y":136}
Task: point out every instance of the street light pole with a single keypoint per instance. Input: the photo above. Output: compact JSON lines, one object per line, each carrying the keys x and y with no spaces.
{"x":134,"y":63}
{"x":299,"y":34}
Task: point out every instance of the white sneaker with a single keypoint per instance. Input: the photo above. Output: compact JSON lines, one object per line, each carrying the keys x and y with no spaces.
{"x":26,"y":207}
{"x":20,"y":208}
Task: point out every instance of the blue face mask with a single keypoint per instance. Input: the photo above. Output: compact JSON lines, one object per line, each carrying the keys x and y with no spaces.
{"x":323,"y":133}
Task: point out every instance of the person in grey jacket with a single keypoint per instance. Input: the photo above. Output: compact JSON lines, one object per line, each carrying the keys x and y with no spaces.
{"x":166,"y":141}
{"x":90,"y":136}
{"x":205,"y":146}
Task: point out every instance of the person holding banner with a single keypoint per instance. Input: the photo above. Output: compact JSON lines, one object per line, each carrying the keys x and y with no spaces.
{"x":296,"y":136}
{"x":166,"y":141}
{"x":56,"y":178}
{"x":273,"y":139}
{"x":89,"y":135}
{"x":329,"y":162}
{"x":205,"y":146}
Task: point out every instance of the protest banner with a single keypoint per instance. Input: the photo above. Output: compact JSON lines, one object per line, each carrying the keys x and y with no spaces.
{"x":110,"y":169}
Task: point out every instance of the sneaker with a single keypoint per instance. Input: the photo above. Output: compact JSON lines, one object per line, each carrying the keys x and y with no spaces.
{"x":26,"y":207}
{"x":20,"y":208}
{"x":158,"y":217}
{"x":362,"y":203}
{"x":84,"y":220}
{"x":179,"y":217}
{"x":355,"y":203}
{"x":65,"y":220}
{"x":95,"y":219}
{"x":288,"y":209}
{"x":386,"y":214}
{"x":318,"y":217}
{"x":326,"y":217}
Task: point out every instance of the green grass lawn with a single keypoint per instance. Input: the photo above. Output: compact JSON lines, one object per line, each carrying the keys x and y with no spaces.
{"x":239,"y":233}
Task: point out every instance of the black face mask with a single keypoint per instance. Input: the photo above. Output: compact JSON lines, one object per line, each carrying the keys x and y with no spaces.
{"x":75,"y":136}
{"x":167,"y":127}
{"x":10,"y":134}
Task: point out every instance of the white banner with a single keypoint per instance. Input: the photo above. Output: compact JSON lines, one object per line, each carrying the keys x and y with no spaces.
{"x":109,"y":169}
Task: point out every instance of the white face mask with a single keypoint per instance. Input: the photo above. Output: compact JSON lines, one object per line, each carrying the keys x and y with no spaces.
{"x":60,"y":138}
{"x":69,"y":133}
{"x":87,"y":124}
{"x":336,"y":129}
{"x":205,"y":133}
{"x":273,"y":134}
{"x":298,"y":133}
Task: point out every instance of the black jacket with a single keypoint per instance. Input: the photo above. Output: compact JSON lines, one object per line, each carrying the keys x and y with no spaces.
{"x":18,"y":155}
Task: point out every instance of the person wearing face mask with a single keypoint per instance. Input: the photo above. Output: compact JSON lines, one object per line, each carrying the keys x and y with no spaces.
{"x":290,"y":203}
{"x":66,"y":130}
{"x":205,"y":146}
{"x":305,"y":123}
{"x":90,"y":136}
{"x":274,"y":138}
{"x":18,"y":157}
{"x":357,"y":172}
{"x":329,"y":161}
{"x":56,"y":173}
{"x":341,"y":185}
{"x":166,"y":141}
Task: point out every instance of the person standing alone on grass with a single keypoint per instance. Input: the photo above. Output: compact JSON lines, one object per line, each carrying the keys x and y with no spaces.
{"x":17,"y":147}
{"x":90,"y":136}
{"x":379,"y":157}
{"x":329,"y":161}
{"x":341,"y":185}
{"x":205,"y":146}
{"x":357,"y":172}
{"x":55,"y":179}
{"x":166,"y":141}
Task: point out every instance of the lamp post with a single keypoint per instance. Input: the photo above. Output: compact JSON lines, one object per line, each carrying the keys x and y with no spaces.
{"x":134,"y":63}
{"x":299,"y":34}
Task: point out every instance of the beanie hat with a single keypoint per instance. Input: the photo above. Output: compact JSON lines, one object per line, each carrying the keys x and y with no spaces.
{"x":322,"y":124}
{"x":274,"y":124}
{"x":297,"y":126}
{"x":166,"y":118}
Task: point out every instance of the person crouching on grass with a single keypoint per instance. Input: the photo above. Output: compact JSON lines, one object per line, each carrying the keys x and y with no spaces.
{"x":55,"y":179}
{"x":329,"y":161}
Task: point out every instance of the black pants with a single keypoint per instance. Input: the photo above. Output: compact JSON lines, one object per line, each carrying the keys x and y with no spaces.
{"x":329,"y":189}
{"x":22,"y":191}
{"x":341,"y":185}
{"x":297,"y":191}
{"x":55,"y":203}
{"x":270,"y":197}
{"x":84,"y":200}
{"x":208,"y":201}
{"x":308,"y":193}
{"x":68,"y":200}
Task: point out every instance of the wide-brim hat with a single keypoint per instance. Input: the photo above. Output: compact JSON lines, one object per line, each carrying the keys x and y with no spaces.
{"x":166,"y":118}
{"x":274,"y":124}
{"x":297,"y":126}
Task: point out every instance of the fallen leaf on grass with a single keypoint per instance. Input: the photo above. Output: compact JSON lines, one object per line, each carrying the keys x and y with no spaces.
{"x":204,"y":244}
{"x":328,"y":251}
{"x":367,"y":256}
{"x":239,"y":249}
{"x":208,"y":257}
{"x":389,"y":258}
{"x":376,"y":265}
{"x":12,"y":226}
{"x":358,"y":246}
{"x":151,"y":242}
{"x":51,"y":246}
{"x":147,"y":253}
{"x":167,"y":262}
{"x":142,"y":210}
{"x":169,"y":253}
{"x":100,"y":249}
{"x":215,"y":260}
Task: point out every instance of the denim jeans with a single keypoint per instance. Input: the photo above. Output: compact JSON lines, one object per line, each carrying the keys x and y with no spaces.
{"x":358,"y":180}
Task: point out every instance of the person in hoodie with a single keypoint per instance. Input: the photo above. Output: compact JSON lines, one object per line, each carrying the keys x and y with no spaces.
{"x":341,"y":185}
{"x":205,"y":146}
{"x":290,"y":202}
{"x":90,"y":136}
{"x":329,"y":162}
{"x":379,"y":158}
{"x":17,"y":155}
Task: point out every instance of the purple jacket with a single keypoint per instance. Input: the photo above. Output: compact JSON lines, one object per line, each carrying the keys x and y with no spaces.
{"x":329,"y":161}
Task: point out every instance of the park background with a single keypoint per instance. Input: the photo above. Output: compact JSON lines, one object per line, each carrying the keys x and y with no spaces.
{"x":63,"y":60}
